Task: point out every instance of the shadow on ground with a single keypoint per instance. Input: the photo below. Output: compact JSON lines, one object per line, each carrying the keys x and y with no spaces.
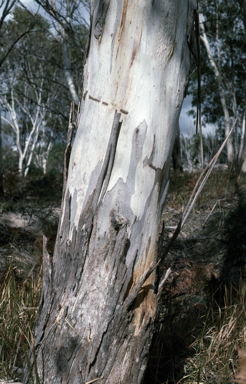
{"x":206,"y":263}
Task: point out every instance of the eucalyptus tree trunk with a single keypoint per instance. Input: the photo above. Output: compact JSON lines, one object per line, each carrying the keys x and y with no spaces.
{"x":98,"y":305}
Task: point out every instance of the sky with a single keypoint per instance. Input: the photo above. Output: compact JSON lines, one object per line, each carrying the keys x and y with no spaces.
{"x":186,"y":124}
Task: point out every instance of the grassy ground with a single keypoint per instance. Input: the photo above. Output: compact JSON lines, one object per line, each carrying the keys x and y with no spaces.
{"x":201,"y":313}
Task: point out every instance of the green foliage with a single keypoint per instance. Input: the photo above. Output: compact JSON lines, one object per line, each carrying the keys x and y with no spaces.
{"x":56,"y":158}
{"x":191,"y":151}
{"x":45,"y":187}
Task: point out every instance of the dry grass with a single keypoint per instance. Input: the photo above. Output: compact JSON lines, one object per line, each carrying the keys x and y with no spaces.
{"x":219,"y":185}
{"x":19,"y":299}
{"x":213,"y":354}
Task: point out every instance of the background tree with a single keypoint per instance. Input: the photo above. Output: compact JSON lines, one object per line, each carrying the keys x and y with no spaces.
{"x":99,"y":298}
{"x":33,"y":90}
{"x":69,"y":20}
{"x":6,"y":7}
{"x":223,"y":69}
{"x":242,"y":153}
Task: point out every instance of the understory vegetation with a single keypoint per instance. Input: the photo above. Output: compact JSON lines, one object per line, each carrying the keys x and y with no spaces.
{"x":201,"y":314}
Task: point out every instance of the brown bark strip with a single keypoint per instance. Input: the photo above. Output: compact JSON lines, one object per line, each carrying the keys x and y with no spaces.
{"x":67,"y":156}
{"x":123,"y":18}
{"x":134,"y":292}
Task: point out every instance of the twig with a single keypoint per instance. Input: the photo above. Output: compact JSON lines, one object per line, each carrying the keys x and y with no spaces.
{"x":93,"y":381}
{"x":164,"y":279}
{"x":206,"y":173}
{"x":76,"y":332}
{"x":210,"y":213}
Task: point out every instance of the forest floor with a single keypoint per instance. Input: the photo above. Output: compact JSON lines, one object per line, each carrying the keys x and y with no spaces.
{"x":201,"y":315}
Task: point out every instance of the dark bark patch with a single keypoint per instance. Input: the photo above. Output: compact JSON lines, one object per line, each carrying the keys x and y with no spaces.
{"x":94,"y":99}
{"x":64,"y":354}
{"x":100,"y":18}
{"x":117,"y":220}
{"x":84,"y":95}
{"x":123,"y":111}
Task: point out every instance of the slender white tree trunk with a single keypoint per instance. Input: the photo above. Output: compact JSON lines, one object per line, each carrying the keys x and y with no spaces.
{"x":45,"y":153}
{"x":26,"y":149}
{"x":230,"y":152}
{"x":67,"y":71}
{"x":32,"y":148}
{"x":65,"y":54}
{"x":97,"y":312}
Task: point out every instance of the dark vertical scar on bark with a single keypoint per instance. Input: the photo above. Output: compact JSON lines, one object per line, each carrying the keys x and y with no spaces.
{"x":134,"y":52}
{"x":108,"y":163}
{"x":100,"y":18}
{"x":148,"y":161}
{"x":68,"y":149}
{"x":136,"y":47}
{"x":148,"y":247}
{"x":88,"y":43}
{"x":84,"y":95}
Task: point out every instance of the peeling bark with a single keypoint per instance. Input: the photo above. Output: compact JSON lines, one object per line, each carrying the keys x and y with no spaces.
{"x":98,"y":307}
